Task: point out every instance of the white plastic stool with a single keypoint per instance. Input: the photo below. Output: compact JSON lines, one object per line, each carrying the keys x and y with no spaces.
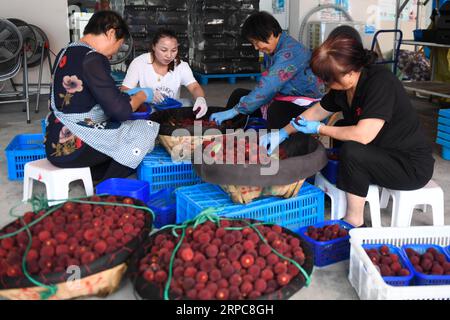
{"x":404,"y":203}
{"x":339,"y":200}
{"x":56,"y":180}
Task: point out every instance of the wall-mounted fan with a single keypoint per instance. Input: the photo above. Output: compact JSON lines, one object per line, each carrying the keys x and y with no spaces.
{"x":10,"y":49}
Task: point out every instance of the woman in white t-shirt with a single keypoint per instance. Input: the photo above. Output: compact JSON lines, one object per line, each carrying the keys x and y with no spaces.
{"x":162,"y":70}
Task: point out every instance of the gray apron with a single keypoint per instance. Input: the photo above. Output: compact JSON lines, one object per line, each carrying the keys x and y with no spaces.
{"x":127,"y":143}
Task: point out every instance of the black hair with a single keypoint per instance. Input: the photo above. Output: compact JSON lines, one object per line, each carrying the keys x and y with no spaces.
{"x":102,"y":21}
{"x":347,"y":30}
{"x":165,"y":33}
{"x":260,"y":26}
{"x":337,"y":56}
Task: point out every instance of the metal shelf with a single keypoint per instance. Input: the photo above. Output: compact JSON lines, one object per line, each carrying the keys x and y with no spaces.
{"x":435,"y":88}
{"x":425,"y":44}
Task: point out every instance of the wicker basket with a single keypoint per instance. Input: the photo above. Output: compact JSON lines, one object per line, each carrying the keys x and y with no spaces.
{"x":246,"y":194}
{"x":100,"y":284}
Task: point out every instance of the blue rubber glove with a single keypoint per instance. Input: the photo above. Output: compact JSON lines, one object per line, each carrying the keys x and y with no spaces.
{"x":272,"y":140}
{"x":306,"y":126}
{"x":148,"y":92}
{"x":220,"y":117}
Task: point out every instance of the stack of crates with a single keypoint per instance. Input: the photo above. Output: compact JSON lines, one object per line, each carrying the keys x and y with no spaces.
{"x":164,"y":176}
{"x":162,"y":172}
{"x":216,"y":45}
{"x":145,"y":17}
{"x":443,"y":132}
{"x":307,"y":208}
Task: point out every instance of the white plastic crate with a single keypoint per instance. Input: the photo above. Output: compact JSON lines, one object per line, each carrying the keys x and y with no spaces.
{"x":368,"y":282}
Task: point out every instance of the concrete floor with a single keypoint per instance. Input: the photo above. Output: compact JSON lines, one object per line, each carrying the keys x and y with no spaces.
{"x":327,"y":283}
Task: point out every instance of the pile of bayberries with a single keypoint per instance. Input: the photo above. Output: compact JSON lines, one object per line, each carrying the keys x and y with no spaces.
{"x":215,"y":263}
{"x":75,"y":234}
{"x":187,"y":122}
{"x":142,"y":108}
{"x":327,"y":232}
{"x":387,"y":263}
{"x":242,"y":151}
{"x":431,"y":262}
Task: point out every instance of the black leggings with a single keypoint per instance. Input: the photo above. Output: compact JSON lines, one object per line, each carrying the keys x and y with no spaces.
{"x":279,"y":113}
{"x":102,"y":166}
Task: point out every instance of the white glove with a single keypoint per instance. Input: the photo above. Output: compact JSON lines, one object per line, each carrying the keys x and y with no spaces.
{"x":158,"y":96}
{"x":201,"y":106}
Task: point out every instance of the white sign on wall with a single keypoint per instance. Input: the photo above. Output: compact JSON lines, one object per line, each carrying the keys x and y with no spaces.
{"x":387,"y":10}
{"x":332,"y":14}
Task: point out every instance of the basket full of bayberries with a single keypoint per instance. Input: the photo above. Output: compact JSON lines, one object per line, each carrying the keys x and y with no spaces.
{"x":225,"y":259}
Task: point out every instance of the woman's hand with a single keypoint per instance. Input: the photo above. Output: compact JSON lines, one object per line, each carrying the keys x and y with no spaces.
{"x":200,"y":107}
{"x":306,"y":126}
{"x":158,"y":97}
{"x":147,"y":91}
{"x":272,"y":140}
{"x":220,"y":117}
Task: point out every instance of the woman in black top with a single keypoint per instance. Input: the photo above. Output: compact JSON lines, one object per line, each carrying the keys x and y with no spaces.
{"x":87,"y":124}
{"x":383,"y":142}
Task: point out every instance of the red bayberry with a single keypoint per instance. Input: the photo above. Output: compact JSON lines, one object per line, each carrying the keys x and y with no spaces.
{"x":247,"y":260}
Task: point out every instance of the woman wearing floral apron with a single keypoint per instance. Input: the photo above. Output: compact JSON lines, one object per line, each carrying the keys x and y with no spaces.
{"x":88,"y":122}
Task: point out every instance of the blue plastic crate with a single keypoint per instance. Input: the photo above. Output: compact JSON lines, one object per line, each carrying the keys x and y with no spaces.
{"x":399,"y":281}
{"x":329,"y":252}
{"x":305,"y":209}
{"x":444,"y":121}
{"x":445,"y":153}
{"x":443,"y":135}
{"x":23,"y":148}
{"x":125,"y":187}
{"x":330,"y":171}
{"x":422,"y":279}
{"x":163,"y":204}
{"x":161,"y":172}
{"x":43,"y":126}
{"x":445,"y":129}
{"x":418,"y":34}
{"x":444,"y":113}
{"x":142,"y":115}
{"x":168,"y":103}
{"x":118,"y":77}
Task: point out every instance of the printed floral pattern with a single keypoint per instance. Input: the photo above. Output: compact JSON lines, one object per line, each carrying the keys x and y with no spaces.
{"x":63,"y":62}
{"x":72,"y":85}
{"x":286,"y":72}
{"x":65,"y":135}
{"x":67,"y":143}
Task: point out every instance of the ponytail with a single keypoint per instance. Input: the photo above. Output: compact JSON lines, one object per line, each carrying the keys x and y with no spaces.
{"x":369,"y":57}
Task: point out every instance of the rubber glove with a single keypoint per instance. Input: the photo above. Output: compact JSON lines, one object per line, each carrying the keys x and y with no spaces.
{"x":306,"y":126}
{"x":158,"y":97}
{"x":220,"y":117}
{"x":200,"y":107}
{"x":272,"y":140}
{"x":148,"y":92}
